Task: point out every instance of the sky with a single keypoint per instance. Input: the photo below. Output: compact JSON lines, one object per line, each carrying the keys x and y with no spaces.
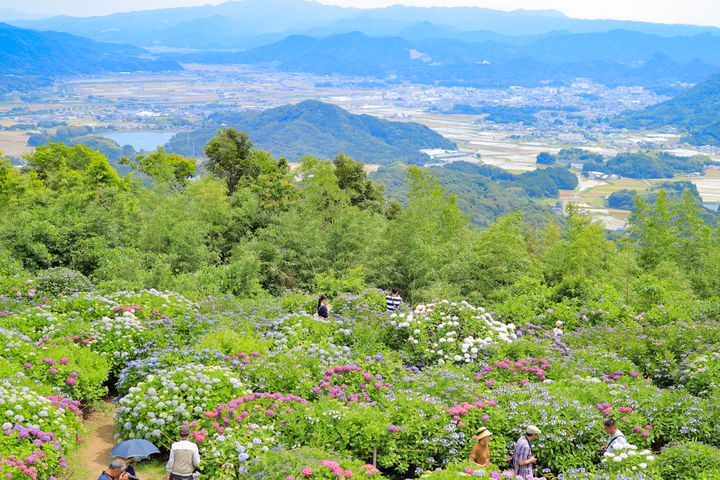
{"x":699,"y":12}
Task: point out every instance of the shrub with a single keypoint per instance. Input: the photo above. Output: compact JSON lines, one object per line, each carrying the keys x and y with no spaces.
{"x":118,"y":339}
{"x":446,"y":332}
{"x":135,"y":371}
{"x":229,"y":342}
{"x":170,"y":398}
{"x":462,"y":470}
{"x":61,"y":281}
{"x":35,"y":432}
{"x":311,"y":463}
{"x":77,"y":372}
{"x":681,"y":461}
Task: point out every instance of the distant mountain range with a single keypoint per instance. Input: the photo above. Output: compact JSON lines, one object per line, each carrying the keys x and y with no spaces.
{"x":235,"y":24}
{"x":618,"y":57}
{"x":29,"y":57}
{"x":465,"y":46}
{"x":9,"y":14}
{"x":320,"y":130}
{"x":695,"y":112}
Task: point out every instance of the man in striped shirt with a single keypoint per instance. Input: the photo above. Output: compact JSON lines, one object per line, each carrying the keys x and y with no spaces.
{"x":393,"y":301}
{"x":523,"y":458}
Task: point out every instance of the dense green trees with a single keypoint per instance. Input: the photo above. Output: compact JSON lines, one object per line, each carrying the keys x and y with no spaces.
{"x":251,"y":225}
{"x":321,"y":130}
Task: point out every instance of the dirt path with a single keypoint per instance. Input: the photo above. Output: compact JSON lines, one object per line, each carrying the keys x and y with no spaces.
{"x":94,"y":453}
{"x":92,"y":456}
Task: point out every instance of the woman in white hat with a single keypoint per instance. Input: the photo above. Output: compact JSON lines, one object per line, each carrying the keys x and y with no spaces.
{"x":480,"y":453}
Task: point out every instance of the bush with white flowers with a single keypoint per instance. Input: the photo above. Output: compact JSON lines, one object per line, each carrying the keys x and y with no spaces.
{"x":153,"y":304}
{"x":116,"y":338}
{"x":170,"y":398}
{"x":448,"y":332}
{"x":627,"y":459}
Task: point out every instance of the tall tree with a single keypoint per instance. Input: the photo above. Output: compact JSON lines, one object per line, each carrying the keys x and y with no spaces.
{"x":229,"y":156}
{"x":425,"y":248}
{"x":352,"y":178}
{"x":655,"y":230}
{"x":165,"y":168}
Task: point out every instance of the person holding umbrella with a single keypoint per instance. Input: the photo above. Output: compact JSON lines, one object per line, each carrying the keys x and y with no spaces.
{"x":114,"y":471}
{"x":131,"y":450}
{"x":129,"y":469}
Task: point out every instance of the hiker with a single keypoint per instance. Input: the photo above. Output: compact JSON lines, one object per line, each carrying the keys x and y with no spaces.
{"x":323,"y":307}
{"x":523,"y":459}
{"x":616,"y":440}
{"x":393,"y":301}
{"x":115,"y":471}
{"x":558,"y":330}
{"x":184,"y":457}
{"x":480,"y":453}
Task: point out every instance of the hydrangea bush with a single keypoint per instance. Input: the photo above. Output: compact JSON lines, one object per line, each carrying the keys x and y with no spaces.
{"x":155,"y":408}
{"x":35,"y":432}
{"x":270,"y":391}
{"x":447,"y":332}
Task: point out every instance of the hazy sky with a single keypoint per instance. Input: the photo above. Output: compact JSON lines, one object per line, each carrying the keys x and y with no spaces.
{"x":701,"y":12}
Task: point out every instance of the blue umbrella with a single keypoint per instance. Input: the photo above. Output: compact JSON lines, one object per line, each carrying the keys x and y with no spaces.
{"x":137,"y":449}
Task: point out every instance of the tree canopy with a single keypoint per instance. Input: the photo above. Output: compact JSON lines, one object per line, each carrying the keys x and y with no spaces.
{"x":249,"y":224}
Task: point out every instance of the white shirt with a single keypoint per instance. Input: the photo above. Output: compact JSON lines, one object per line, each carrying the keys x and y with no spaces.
{"x":617,"y":441}
{"x":557,"y":331}
{"x":184,"y":457}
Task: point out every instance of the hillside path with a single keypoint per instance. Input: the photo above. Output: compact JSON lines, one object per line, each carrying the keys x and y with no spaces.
{"x":93,"y":454}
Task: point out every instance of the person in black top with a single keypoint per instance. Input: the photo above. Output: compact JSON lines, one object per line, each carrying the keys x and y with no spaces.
{"x":129,"y":468}
{"x":323,"y":307}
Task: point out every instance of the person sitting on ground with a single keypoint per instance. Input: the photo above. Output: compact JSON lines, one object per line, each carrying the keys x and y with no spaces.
{"x":616,"y":440}
{"x":480,"y":453}
{"x":184,"y":457}
{"x":523,"y":459}
{"x":558,"y":330}
{"x":393,"y":301}
{"x":323,"y":307}
{"x":114,"y":471}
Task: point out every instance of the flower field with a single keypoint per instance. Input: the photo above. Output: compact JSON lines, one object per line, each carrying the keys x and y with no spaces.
{"x":272,"y":392}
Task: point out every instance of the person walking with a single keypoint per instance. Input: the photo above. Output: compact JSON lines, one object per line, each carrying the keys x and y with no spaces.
{"x":184,"y":457}
{"x":393,"y":301}
{"x":114,"y":471}
{"x":616,"y":440}
{"x":523,"y":459}
{"x":480,"y":453}
{"x":323,"y":307}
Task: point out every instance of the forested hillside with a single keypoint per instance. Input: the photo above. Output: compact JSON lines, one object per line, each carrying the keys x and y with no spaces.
{"x":40,"y":56}
{"x":696,"y":113}
{"x":320,"y":130}
{"x":484,"y":192}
